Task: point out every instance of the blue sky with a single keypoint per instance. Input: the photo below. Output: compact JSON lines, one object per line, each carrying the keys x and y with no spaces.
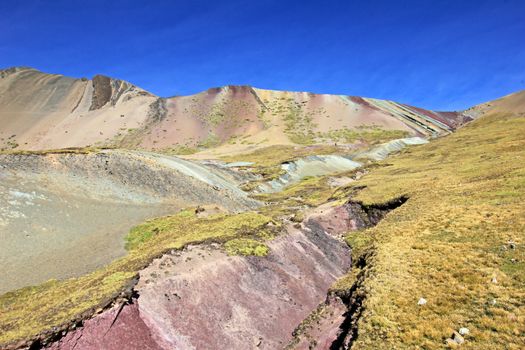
{"x":442,"y":55}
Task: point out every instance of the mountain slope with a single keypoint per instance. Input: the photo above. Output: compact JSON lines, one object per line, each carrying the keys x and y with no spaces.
{"x":46,"y":111}
{"x":512,"y":103}
{"x":65,"y":214}
{"x":43,"y":111}
{"x":456,"y":241}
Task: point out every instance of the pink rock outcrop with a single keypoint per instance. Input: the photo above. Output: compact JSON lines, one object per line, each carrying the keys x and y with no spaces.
{"x":200,"y":298}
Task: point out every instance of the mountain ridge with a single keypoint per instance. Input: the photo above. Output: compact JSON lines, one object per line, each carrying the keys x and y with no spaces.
{"x":219,"y":87}
{"x":45,"y":111}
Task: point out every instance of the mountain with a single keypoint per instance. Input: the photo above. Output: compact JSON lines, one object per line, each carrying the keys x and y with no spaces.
{"x":284,"y":240}
{"x":47,"y":111}
{"x":39,"y":110}
{"x":512,"y":103}
{"x":433,"y":256}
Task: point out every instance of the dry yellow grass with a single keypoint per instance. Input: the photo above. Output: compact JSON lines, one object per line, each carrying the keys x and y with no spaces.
{"x":449,"y":243}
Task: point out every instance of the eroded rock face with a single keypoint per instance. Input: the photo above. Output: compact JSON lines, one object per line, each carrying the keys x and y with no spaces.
{"x":200,"y":298}
{"x":103,"y":333}
{"x":101,"y":91}
{"x":323,"y":332}
{"x":352,"y":216}
{"x":203,"y":299}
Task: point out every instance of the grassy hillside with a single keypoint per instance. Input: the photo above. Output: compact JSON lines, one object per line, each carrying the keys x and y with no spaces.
{"x":458,"y":242}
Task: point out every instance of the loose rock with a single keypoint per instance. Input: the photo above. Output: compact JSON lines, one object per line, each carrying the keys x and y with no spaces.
{"x":464,"y":331}
{"x":455,"y":339}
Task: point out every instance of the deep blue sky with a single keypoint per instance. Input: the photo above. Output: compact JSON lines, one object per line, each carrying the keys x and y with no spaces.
{"x":437,"y":54}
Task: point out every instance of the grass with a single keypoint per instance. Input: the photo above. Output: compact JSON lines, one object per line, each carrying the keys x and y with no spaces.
{"x":298,"y":121}
{"x":30,"y":311}
{"x":179,"y":150}
{"x":299,"y":124}
{"x":210,"y":141}
{"x":448,"y":242}
{"x":245,"y":247}
{"x":360,"y":242}
{"x":368,"y":134}
{"x":69,"y":150}
{"x":310,"y":191}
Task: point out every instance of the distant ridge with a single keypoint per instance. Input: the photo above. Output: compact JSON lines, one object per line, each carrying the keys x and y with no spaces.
{"x":44,"y":111}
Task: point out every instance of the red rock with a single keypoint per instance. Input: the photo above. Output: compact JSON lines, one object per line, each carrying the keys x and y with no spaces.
{"x":213,"y":301}
{"x":127,"y":332}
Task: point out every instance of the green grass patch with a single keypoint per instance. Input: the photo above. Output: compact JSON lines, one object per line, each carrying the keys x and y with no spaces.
{"x":245,"y":247}
{"x":359,"y":242}
{"x":209,"y":142}
{"x":179,"y":150}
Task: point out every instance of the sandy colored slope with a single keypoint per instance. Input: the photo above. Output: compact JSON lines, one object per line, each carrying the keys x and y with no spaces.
{"x":512,"y":103}
{"x":64,"y":215}
{"x":39,"y":110}
{"x":45,"y":111}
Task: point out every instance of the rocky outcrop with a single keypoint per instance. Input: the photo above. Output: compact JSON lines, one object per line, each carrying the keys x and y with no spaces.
{"x":201,"y":298}
{"x":46,"y":111}
{"x":107,"y":90}
{"x":320,"y":330}
{"x":352,"y":216}
{"x":101,"y":91}
{"x":333,"y":325}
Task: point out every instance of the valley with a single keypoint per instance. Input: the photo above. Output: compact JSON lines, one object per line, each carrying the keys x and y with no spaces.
{"x":248,"y":218}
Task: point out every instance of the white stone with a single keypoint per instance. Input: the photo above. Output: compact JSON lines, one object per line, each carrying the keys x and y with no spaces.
{"x":457,"y":338}
{"x":464,"y":331}
{"x":422,"y":301}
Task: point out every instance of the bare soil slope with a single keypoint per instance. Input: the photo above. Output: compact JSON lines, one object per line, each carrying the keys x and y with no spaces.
{"x":63,"y":215}
{"x":47,"y":111}
{"x":241,"y":303}
{"x":44,"y":111}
